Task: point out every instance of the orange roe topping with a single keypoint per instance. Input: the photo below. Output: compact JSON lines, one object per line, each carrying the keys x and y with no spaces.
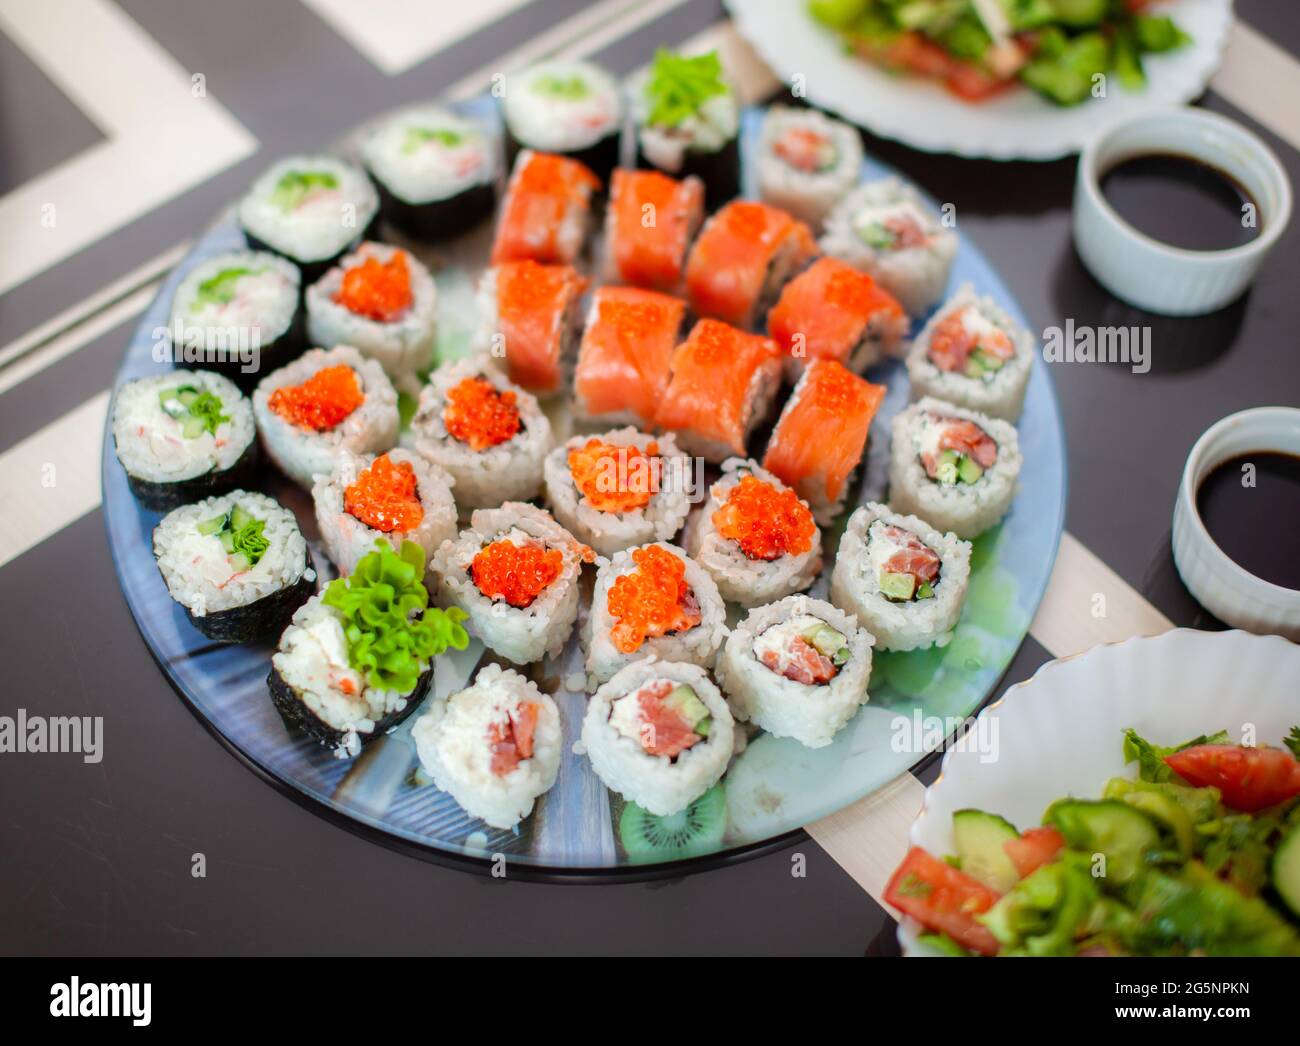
{"x":765,"y":522}
{"x":377,"y":290}
{"x":516,"y":573}
{"x":613,"y":478}
{"x":554,"y":175}
{"x":479,"y":415}
{"x":652,"y":600}
{"x":384,"y":497}
{"x":320,"y":402}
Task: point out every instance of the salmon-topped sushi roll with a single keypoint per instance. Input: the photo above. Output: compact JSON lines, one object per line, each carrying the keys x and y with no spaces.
{"x":649,"y":226}
{"x":742,"y":259}
{"x":722,"y":385}
{"x":529,"y":318}
{"x":821,"y":434}
{"x":626,"y":352}
{"x":547,"y":210}
{"x":833,"y":311}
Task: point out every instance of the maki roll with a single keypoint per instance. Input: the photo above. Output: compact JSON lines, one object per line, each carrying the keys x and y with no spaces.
{"x":625,"y":358}
{"x":530,"y":316}
{"x":515,"y":573}
{"x":619,"y":489}
{"x":435,"y":171}
{"x":659,"y":734}
{"x":798,"y":668}
{"x":902,"y":579}
{"x":327,"y":400}
{"x":820,"y":436}
{"x":238,"y":313}
{"x":833,"y":311}
{"x":310,"y":209}
{"x":885,"y":228}
{"x":722,"y":385}
{"x":572,"y":109}
{"x":652,"y":599}
{"x":237,"y":564}
{"x":494,"y":746}
{"x":547,"y":210}
{"x":806,"y":162}
{"x":687,"y":120}
{"x":379,"y":300}
{"x":649,"y":225}
{"x":490,"y":436}
{"x":973,"y":354}
{"x":183,"y":435}
{"x":358,"y":658}
{"x":755,"y":536}
{"x":954,"y":467}
{"x":742,"y":258}
{"x":395,"y":497}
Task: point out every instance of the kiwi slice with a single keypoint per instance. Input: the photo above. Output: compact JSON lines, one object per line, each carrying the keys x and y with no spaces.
{"x":697,"y":830}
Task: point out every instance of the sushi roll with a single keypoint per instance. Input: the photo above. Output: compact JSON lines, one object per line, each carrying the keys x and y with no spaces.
{"x":327,"y":400}
{"x":833,"y":311}
{"x":820,"y":436}
{"x":755,"y":536}
{"x":183,"y":435}
{"x":358,"y":658}
{"x":310,"y":209}
{"x":742,"y":258}
{"x":973,"y":354}
{"x":625,"y":358}
{"x":806,"y":162}
{"x":649,"y":225}
{"x":515,"y":572}
{"x":659,"y":734}
{"x":379,"y":300}
{"x":547,"y":210}
{"x":902,"y":579}
{"x":494,"y":747}
{"x":530,"y":317}
{"x":394,"y":497}
{"x":569,"y":108}
{"x":955,"y":468}
{"x":435,"y":171}
{"x":619,"y":489}
{"x":652,"y":599}
{"x":239,"y":314}
{"x":886,"y":229}
{"x":687,"y":120}
{"x":722,"y":385}
{"x":798,"y":668}
{"x":237,"y":564}
{"x":490,"y":436}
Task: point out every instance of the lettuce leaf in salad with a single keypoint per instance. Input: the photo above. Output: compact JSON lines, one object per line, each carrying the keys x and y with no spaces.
{"x":1151,"y":758}
{"x":1292,"y":741}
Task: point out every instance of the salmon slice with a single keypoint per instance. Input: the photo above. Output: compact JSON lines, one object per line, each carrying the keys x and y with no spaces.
{"x":650,"y":224}
{"x":825,"y":312}
{"x":533,"y":306}
{"x":512,"y":741}
{"x":965,"y":437}
{"x":915,"y":557}
{"x":544,"y":215}
{"x":668,"y":733}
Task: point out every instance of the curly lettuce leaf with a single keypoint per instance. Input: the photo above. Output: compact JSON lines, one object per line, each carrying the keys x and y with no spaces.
{"x":1151,"y":758}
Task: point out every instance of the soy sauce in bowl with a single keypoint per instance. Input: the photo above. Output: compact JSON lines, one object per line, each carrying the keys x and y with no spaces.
{"x":1181,"y":201}
{"x":1255,"y":525}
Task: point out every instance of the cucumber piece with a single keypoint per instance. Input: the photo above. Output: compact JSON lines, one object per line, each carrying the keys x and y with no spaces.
{"x":240,"y":562}
{"x":684,"y":699}
{"x":925,"y":591}
{"x":896,"y":586}
{"x":187,"y":394}
{"x":1285,"y":869}
{"x":704,"y":726}
{"x":213,"y":525}
{"x":969,"y":470}
{"x":974,"y":368}
{"x":240,"y":518}
{"x":193,"y":427}
{"x":827,"y":641}
{"x":980,"y":837}
{"x":227,"y":541}
{"x":1162,"y":809}
{"x":1125,"y":834}
{"x":946,"y":469}
{"x":987,"y":360}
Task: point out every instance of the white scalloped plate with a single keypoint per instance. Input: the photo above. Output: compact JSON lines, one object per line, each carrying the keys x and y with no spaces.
{"x":1017,"y":125}
{"x":1060,"y":732}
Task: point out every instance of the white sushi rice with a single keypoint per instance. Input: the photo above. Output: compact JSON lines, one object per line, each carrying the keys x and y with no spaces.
{"x":808,"y":195}
{"x":706,"y":130}
{"x":967,"y":509}
{"x":917,"y":276}
{"x":488,"y":338}
{"x":453,"y":739}
{"x":261,"y":307}
{"x":810,"y":713}
{"x":740,"y":579}
{"x":556,"y":122}
{"x":326,"y":220}
{"x":1000,"y":393}
{"x":425,"y":153}
{"x":855,"y":582}
{"x":661,"y":785}
{"x":303,"y":454}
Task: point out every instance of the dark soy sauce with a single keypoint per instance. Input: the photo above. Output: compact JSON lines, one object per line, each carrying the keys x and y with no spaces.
{"x":1180,"y":201}
{"x":1256,"y":526}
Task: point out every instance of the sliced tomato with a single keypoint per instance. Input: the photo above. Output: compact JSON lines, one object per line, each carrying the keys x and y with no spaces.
{"x":1249,"y":778}
{"x":943,"y":899}
{"x":914,"y":52}
{"x":1035,"y":848}
{"x":971,"y":82}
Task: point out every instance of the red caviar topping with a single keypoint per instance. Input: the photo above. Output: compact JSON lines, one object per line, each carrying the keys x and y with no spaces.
{"x":652,"y":600}
{"x":320,"y":402}
{"x":479,"y":415}
{"x":516,"y":573}
{"x":384,"y":496}
{"x":765,"y":522}
{"x":377,"y":290}
{"x":555,"y":175}
{"x":512,"y":740}
{"x":613,"y":478}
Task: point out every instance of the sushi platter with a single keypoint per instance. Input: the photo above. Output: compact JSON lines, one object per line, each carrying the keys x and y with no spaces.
{"x":601,"y":476}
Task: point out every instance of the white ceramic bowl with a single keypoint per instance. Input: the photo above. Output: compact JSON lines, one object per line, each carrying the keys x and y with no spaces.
{"x":1229,"y":591}
{"x":1153,"y":275}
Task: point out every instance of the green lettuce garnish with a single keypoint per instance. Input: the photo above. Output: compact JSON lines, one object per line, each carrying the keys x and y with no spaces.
{"x":417,"y":136}
{"x":207,"y":408}
{"x":1292,"y":741}
{"x":220,"y":289}
{"x":1151,"y":758}
{"x":680,"y":84}
{"x":389,"y":625}
{"x":251,"y":541}
{"x":293,"y":187}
